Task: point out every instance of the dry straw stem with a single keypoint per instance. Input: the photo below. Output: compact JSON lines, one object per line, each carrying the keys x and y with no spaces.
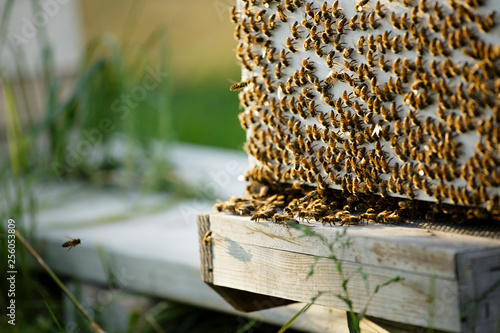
{"x":93,"y":325}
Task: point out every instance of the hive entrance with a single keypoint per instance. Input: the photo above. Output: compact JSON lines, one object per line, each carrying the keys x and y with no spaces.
{"x":378,"y":100}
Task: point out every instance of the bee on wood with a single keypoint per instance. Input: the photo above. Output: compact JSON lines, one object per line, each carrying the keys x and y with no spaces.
{"x":295,"y":30}
{"x":281,"y":13}
{"x":395,"y":21}
{"x":71,"y":243}
{"x":352,"y":23}
{"x":372,"y":21}
{"x":207,"y":238}
{"x":363,"y":22}
{"x":290,"y":46}
{"x":360,"y":4}
{"x":263,"y":215}
{"x":340,"y":25}
{"x":378,"y":9}
{"x":330,"y":59}
{"x":308,"y":65}
{"x":335,"y":9}
{"x":283,"y":59}
{"x":308,"y":9}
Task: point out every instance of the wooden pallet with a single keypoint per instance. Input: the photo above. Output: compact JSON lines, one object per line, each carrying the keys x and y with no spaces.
{"x":450,"y":280}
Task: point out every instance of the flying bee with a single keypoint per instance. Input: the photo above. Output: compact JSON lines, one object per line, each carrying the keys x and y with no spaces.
{"x":71,"y":243}
{"x":238,"y":86}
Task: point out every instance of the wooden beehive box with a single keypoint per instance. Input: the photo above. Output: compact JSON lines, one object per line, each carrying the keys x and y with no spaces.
{"x":366,"y":112}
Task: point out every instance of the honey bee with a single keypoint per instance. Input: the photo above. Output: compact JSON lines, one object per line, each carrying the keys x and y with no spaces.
{"x":281,"y":13}
{"x":352,"y":22}
{"x":290,"y":46}
{"x":308,"y":65}
{"x":346,"y":54}
{"x":238,"y":86}
{"x":360,"y":4}
{"x":378,"y":9}
{"x":295,"y":30}
{"x":207,"y":238}
{"x":335,"y":9}
{"x":407,"y":44}
{"x":330,"y":59}
{"x":372,"y":21}
{"x":395,"y":21}
{"x":395,"y":44}
{"x":234,"y":15}
{"x":308,"y":9}
{"x":283,"y":59}
{"x":340,"y":25}
{"x":486,"y":23}
{"x":263,"y":215}
{"x":71,"y":243}
{"x":363,"y":22}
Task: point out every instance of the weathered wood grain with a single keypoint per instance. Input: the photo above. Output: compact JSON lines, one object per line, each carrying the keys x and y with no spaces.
{"x":270,"y":259}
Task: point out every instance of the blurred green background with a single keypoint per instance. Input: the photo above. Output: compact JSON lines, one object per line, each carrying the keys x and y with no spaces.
{"x":82,"y":125}
{"x":200,"y":55}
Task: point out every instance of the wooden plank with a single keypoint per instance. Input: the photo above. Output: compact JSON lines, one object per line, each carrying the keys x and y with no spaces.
{"x":151,"y":240}
{"x":206,"y":268}
{"x":270,"y":259}
{"x":479,"y":278}
{"x":240,"y":300}
{"x":410,"y":249}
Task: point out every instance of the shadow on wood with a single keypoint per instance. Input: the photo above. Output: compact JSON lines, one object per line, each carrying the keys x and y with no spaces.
{"x":239,"y":299}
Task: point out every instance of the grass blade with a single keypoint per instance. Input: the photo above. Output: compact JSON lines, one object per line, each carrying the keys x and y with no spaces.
{"x":53,"y":316}
{"x":93,"y":325}
{"x":16,"y":141}
{"x":304,"y":309}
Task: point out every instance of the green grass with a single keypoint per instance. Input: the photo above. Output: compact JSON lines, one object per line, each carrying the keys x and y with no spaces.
{"x":79,"y":123}
{"x":206,"y":112}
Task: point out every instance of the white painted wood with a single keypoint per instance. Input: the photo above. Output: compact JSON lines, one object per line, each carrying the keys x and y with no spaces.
{"x":150,"y":242}
{"x":270,"y":259}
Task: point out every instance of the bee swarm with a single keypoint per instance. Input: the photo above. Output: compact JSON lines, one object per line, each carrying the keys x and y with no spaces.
{"x":369,"y":111}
